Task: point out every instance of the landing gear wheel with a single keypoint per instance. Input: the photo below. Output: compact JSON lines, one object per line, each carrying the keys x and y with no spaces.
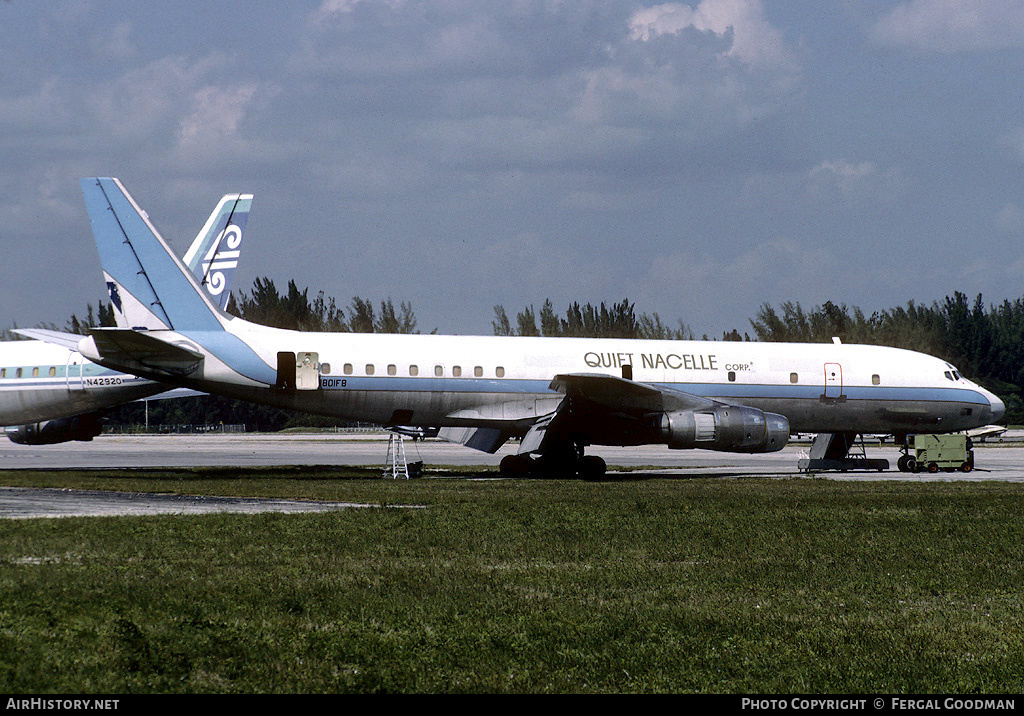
{"x":912,"y":465}
{"x":901,"y":464}
{"x":515,"y":465}
{"x":592,"y":467}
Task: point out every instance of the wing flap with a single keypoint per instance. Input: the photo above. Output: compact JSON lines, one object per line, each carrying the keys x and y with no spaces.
{"x":483,"y":439}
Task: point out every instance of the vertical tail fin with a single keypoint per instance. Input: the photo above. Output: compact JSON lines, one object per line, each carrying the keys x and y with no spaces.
{"x":148,"y":285}
{"x":213,"y":256}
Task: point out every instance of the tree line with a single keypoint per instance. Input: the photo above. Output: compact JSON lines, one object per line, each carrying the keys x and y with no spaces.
{"x":619,"y":320}
{"x":986,"y":343}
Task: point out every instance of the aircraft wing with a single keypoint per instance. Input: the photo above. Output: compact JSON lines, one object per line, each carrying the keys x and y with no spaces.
{"x":626,"y":396}
{"x":587,"y":408}
{"x":607,"y":410}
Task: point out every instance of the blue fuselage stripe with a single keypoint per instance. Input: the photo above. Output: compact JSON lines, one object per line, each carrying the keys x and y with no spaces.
{"x":715,"y":390}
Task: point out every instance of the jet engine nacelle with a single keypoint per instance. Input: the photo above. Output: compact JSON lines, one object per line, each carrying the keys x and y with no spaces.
{"x":729,"y":428}
{"x":49,"y":432}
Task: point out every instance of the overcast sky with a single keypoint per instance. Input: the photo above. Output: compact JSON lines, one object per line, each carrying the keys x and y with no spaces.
{"x":698,"y":158}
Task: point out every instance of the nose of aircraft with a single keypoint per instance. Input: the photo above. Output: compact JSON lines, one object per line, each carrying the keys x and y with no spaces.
{"x":998,"y":409}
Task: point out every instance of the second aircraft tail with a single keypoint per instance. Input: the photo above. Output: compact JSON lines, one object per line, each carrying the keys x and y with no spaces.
{"x":213,"y":256}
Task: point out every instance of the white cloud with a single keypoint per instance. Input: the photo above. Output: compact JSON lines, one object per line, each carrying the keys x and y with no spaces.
{"x":753,"y":40}
{"x":731,"y":68}
{"x":333,"y":9}
{"x":948,"y":26}
{"x":852,"y":180}
{"x":216,"y":114}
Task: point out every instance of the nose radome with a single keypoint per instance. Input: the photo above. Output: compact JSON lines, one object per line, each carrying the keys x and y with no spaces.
{"x":998,"y":409}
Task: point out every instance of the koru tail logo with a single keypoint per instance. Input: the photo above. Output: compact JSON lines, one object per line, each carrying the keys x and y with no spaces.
{"x":222,"y":255}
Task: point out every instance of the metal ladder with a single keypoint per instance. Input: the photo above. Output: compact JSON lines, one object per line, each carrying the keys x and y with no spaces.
{"x":395,"y":466}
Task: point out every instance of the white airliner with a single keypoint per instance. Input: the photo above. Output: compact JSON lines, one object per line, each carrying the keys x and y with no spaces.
{"x":49,"y":393}
{"x":559,"y":395}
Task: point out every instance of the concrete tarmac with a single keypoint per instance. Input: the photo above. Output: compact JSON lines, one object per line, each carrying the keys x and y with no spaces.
{"x":1001,"y":460}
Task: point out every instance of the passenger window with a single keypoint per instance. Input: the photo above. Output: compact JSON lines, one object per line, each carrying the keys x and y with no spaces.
{"x":438,"y":371}
{"x":732,"y":376}
{"x":478,"y":372}
{"x":348,"y":369}
{"x":325,"y":368}
{"x":35,"y":372}
{"x":392,"y":370}
{"x":794,"y":378}
{"x":457,"y":371}
{"x":369,"y":368}
{"x":876,"y":379}
{"x":499,"y":372}
{"x":3,"y":372}
{"x":414,"y":370}
{"x":17,"y":374}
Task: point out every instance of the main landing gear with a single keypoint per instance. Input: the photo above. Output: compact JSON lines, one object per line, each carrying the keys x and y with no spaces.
{"x":565,"y":462}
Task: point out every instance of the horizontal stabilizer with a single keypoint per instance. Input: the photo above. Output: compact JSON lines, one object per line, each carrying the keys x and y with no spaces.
{"x":175,"y":393}
{"x":57,"y":338}
{"x":139,"y":353}
{"x":986,"y":431}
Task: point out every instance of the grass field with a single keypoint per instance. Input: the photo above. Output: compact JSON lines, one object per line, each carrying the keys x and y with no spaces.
{"x":630,"y":585}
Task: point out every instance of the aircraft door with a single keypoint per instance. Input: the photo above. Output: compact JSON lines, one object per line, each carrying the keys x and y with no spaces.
{"x":73,"y":372}
{"x":307,"y":371}
{"x":833,"y":381}
{"x":299,"y":371}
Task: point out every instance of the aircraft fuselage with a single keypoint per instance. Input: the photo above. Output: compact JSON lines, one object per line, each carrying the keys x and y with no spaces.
{"x":40,"y":381}
{"x":432,"y":380}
